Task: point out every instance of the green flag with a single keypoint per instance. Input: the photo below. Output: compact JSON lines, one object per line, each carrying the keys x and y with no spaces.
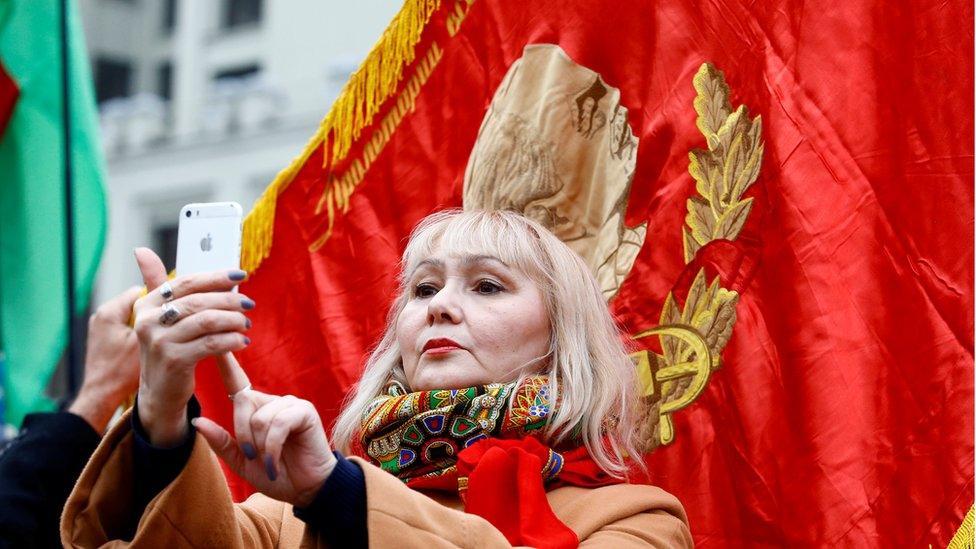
{"x":33,"y":278}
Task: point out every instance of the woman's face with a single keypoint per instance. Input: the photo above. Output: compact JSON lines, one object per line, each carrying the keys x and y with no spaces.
{"x":470,"y":320}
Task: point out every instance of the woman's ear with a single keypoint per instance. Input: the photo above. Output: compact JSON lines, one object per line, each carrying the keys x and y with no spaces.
{"x":398,"y":376}
{"x":400,"y":385}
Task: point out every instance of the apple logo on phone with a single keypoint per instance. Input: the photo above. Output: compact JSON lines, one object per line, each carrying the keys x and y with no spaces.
{"x":206,"y":244}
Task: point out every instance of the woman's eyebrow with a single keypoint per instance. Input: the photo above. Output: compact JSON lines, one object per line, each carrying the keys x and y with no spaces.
{"x":428,"y":264}
{"x":472,"y":259}
{"x":429,"y":261}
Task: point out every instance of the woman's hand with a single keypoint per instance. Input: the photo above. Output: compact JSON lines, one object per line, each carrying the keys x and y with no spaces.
{"x":280,"y":445}
{"x":111,"y":361}
{"x":208,"y":320}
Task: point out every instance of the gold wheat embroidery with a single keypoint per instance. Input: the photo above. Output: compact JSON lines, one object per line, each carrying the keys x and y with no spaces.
{"x":726,"y":169}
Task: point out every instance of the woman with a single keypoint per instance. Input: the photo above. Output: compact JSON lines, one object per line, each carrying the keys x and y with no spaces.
{"x":498,"y":409}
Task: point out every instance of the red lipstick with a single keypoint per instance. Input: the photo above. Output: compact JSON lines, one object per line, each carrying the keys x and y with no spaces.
{"x":441,"y":345}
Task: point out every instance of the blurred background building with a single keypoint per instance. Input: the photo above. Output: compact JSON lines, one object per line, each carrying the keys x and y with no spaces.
{"x":206,"y":100}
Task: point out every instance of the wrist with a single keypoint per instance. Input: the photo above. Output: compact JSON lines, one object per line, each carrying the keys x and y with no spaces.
{"x":94,"y":407}
{"x":305,"y":498}
{"x":166,"y":427}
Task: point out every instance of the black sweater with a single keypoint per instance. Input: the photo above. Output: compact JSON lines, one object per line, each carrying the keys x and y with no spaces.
{"x":38,"y":469}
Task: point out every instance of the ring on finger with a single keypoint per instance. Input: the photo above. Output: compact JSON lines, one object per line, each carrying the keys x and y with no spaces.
{"x":247,"y":388}
{"x":170,"y":314}
{"x":166,"y":291}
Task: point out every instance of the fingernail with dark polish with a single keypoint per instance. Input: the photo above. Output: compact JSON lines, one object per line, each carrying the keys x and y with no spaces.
{"x":237,"y":275}
{"x":249,"y":451}
{"x":247,"y":323}
{"x":270,"y":468}
{"x":247,"y":341}
{"x":247,"y":303}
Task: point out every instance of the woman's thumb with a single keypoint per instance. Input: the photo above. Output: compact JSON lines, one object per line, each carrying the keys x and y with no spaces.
{"x":152,"y":268}
{"x":221,"y":442}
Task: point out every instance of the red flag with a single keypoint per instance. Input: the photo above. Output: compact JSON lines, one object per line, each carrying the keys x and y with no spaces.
{"x":8,"y":96}
{"x":826,"y":228}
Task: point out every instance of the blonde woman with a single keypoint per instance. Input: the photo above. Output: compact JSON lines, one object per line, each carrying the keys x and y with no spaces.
{"x":498,"y":409}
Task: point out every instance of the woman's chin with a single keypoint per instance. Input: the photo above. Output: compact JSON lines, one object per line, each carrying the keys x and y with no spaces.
{"x":446,"y":374}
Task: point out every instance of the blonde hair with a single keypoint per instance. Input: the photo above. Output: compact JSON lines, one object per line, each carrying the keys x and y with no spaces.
{"x":590,"y":374}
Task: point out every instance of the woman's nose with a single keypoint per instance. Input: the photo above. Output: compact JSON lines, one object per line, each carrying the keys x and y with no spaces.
{"x":445,"y":306}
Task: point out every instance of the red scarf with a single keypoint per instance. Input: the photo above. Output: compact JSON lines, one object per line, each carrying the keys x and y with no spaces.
{"x":479,"y":464}
{"x":521,"y":511}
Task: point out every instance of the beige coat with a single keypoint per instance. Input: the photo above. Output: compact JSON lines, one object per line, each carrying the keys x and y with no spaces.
{"x":196,"y":510}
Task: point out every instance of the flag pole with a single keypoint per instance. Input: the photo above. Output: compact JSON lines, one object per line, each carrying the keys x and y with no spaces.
{"x":68,"y":209}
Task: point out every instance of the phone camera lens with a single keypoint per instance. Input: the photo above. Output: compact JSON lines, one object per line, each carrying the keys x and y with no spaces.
{"x":188,"y":213}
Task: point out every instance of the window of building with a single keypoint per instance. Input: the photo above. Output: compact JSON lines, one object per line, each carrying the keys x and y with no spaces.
{"x":237,"y":72}
{"x":164,"y":81}
{"x":164,"y":242}
{"x":241,"y":12}
{"x":169,"y":16}
{"x":113,"y":78}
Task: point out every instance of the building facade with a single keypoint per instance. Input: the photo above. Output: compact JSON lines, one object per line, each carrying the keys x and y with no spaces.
{"x":206,"y":100}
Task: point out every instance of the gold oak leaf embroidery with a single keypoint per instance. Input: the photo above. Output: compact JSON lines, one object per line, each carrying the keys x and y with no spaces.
{"x":693,"y":335}
{"x":724,"y":171}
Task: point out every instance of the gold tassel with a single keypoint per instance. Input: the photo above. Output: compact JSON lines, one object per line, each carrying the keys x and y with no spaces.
{"x":338,"y":190}
{"x":378,"y":77}
{"x":259,"y":223}
{"x":964,"y":535}
{"x":360,"y":100}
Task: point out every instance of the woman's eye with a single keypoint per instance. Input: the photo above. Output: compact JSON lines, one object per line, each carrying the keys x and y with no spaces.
{"x":488,"y":287}
{"x":424,"y":290}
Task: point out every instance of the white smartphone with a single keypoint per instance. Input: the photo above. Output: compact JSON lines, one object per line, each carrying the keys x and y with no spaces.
{"x":209,"y":237}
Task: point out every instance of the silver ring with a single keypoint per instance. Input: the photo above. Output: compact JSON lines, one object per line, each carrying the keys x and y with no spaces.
{"x":231,"y":396}
{"x":166,"y":291}
{"x":170,"y":315}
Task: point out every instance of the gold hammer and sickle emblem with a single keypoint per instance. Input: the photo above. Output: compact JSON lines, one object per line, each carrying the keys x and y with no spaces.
{"x":652,"y":377}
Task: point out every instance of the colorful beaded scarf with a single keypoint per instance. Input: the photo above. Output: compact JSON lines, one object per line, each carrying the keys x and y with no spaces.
{"x":418,"y":435}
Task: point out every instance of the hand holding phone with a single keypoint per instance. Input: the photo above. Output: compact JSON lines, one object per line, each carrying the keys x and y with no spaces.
{"x":196,"y":315}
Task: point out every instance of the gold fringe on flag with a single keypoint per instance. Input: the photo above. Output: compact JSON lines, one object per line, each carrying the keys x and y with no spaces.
{"x":335,"y":195}
{"x":964,"y":535}
{"x":360,"y":100}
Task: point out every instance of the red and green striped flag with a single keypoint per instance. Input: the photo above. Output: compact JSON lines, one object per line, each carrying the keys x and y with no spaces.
{"x":33,"y":264}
